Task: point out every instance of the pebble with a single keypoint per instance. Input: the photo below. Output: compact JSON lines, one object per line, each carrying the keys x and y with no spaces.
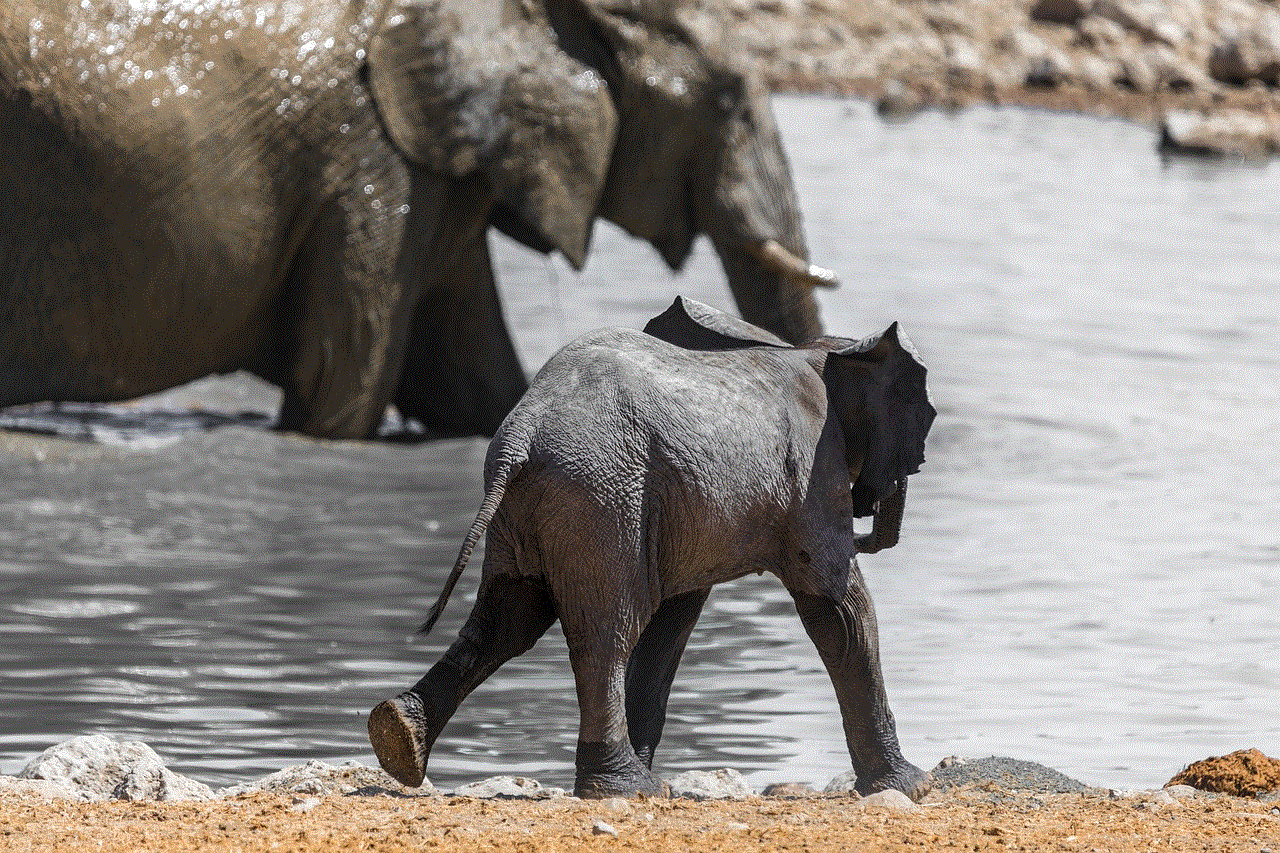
{"x":602,"y":828}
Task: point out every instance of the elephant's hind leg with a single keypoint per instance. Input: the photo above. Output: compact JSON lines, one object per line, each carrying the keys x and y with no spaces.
{"x":509,"y":616}
{"x":652,"y":668}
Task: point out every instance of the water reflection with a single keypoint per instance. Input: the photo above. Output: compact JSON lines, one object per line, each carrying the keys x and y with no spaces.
{"x":1088,"y":571}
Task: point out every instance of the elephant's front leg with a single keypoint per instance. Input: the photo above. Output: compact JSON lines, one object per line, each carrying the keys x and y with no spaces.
{"x":461,"y":375}
{"x":844,"y":630}
{"x":653,"y":667}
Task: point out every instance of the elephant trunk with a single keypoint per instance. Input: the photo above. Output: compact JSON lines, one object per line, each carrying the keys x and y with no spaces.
{"x":752,"y":215}
{"x":773,"y":290}
{"x":887,"y":522}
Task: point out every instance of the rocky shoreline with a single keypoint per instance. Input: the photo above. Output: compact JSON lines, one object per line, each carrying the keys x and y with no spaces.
{"x":1204,"y":73}
{"x":99,"y":768}
{"x":114,"y":796}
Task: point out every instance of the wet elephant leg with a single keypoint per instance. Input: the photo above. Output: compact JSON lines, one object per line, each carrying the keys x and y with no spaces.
{"x":346,"y":316}
{"x":846,"y":636}
{"x":509,"y":616}
{"x":653,"y":667}
{"x":461,"y":374}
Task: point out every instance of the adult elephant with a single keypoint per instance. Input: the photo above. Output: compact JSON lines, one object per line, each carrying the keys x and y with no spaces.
{"x":302,"y":190}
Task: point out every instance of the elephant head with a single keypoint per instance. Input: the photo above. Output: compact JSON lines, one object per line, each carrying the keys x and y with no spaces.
{"x":536,"y":125}
{"x":697,"y":152}
{"x":875,"y":388}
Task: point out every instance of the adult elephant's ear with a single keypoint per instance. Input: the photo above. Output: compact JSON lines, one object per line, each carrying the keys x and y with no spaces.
{"x":537,"y":124}
{"x":877,"y":388}
{"x":692,"y":325}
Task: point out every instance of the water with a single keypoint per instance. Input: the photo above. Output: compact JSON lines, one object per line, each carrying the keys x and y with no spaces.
{"x":1088,"y":572}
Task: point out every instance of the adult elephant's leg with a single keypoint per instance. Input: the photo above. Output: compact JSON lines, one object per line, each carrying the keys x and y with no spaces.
{"x":509,"y":616}
{"x":844,"y":631}
{"x":653,"y":667}
{"x":461,"y":374}
{"x":346,"y":319}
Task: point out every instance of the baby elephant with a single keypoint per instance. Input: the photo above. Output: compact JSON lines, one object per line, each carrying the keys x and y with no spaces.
{"x":642,"y":468}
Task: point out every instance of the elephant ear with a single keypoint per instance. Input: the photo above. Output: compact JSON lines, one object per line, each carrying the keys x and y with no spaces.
{"x":877,"y":387}
{"x":538,"y":125}
{"x":692,"y":325}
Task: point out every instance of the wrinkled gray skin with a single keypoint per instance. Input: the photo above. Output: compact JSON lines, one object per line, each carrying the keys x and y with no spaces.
{"x":303,"y":190}
{"x":641,"y":469}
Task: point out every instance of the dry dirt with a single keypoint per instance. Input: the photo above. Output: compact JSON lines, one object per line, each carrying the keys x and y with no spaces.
{"x":968,"y":820}
{"x":1244,"y":773}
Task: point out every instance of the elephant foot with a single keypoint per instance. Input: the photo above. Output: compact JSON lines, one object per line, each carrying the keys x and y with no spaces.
{"x":612,"y":770}
{"x":397,"y":730}
{"x":904,"y":777}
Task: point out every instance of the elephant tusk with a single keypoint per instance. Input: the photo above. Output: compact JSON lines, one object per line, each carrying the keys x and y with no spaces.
{"x":887,"y":522}
{"x":782,"y":261}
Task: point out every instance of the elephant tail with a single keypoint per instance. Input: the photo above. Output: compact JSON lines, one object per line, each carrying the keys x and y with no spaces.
{"x":488,"y":509}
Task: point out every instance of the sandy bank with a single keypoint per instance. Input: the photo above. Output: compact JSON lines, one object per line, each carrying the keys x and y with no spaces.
{"x":972,"y":819}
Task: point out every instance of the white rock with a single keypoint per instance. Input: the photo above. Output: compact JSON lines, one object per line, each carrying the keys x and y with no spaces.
{"x":1181,"y":792}
{"x":507,"y":788}
{"x":37,"y":788}
{"x":725,"y":784}
{"x":97,"y":767}
{"x":319,"y":777}
{"x":890,"y":800}
{"x":602,"y":828}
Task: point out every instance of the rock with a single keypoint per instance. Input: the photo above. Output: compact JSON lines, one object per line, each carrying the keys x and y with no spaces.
{"x":726,"y":784}
{"x":39,"y":788}
{"x":1068,"y":12}
{"x":96,"y":768}
{"x":305,"y":805}
{"x":317,"y":777}
{"x":889,"y":800}
{"x":1180,"y":792}
{"x":789,"y":790}
{"x":899,"y":103}
{"x":1223,"y":133}
{"x":1252,"y":55}
{"x":602,"y":828}
{"x":1148,"y":19}
{"x":842,"y":784}
{"x":507,"y":788}
{"x":1243,"y":773}
{"x":1010,"y":774}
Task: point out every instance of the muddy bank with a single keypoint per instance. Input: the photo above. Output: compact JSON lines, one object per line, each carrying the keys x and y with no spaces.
{"x":1133,"y":58}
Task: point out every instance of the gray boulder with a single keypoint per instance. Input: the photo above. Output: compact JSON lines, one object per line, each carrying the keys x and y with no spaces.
{"x":97,"y":767}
